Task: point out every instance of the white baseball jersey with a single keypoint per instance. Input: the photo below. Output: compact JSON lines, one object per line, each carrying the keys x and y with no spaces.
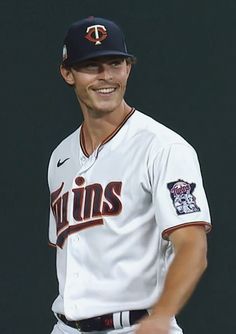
{"x":112,"y":211}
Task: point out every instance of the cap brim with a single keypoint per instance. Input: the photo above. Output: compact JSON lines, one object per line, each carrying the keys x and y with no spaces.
{"x":94,"y":55}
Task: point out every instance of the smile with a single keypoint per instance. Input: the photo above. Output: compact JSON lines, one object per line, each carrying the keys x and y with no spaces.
{"x":105,"y":90}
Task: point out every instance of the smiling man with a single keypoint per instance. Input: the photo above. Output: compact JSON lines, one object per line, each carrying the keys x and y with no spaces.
{"x":128,"y":213}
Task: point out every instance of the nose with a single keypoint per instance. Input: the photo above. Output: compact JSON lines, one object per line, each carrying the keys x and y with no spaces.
{"x":106,"y":73}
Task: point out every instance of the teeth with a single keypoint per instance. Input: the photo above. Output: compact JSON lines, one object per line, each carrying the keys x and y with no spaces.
{"x":106,"y":90}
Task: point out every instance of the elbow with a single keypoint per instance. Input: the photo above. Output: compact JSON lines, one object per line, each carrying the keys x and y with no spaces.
{"x":202,"y":249}
{"x":200,"y":254}
{"x":203,"y":263}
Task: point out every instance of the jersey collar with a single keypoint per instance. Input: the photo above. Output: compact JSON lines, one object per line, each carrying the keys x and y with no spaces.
{"x":108,"y":138}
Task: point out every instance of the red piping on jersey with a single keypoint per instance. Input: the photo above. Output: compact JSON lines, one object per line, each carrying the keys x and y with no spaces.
{"x":168,"y":231}
{"x":107,"y":139}
{"x":82,"y":142}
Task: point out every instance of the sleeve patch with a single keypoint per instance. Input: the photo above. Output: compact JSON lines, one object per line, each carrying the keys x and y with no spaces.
{"x":181,"y":193}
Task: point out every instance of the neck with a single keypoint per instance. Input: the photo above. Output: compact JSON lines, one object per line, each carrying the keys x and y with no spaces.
{"x":96,"y":128}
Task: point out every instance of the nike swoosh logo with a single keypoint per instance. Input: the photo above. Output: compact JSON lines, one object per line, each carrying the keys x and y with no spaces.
{"x":59,"y":163}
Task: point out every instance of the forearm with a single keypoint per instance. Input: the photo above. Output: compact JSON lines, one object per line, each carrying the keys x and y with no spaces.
{"x":183,"y":275}
{"x":184,"y":272}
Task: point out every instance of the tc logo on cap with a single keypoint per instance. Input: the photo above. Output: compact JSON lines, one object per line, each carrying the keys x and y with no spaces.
{"x":96,"y":34}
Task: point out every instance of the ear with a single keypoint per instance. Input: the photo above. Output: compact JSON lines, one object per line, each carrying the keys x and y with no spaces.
{"x":67,"y":75}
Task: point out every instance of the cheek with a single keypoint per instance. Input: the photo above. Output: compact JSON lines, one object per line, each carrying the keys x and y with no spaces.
{"x":81,"y":87}
{"x":121,"y":78}
{"x":125,"y":79}
{"x":125,"y":75}
{"x":80,"y":93}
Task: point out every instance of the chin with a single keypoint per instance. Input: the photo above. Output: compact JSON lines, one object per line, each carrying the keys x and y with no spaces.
{"x":105,"y":108}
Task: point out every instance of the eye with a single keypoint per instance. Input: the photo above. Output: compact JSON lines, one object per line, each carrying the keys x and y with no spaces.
{"x":117,"y":62}
{"x":88,"y":67}
{"x":91,"y":66}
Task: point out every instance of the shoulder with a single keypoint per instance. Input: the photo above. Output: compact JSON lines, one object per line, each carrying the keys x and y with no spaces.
{"x":66,"y":143}
{"x":158,"y":134}
{"x":64,"y":149}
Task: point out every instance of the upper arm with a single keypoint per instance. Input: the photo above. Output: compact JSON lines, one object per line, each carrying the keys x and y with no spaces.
{"x":178,"y":194}
{"x":190,"y":236}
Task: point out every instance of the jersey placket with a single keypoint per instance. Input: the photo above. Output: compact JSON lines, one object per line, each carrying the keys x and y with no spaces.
{"x":87,"y":162}
{"x":73,"y":270}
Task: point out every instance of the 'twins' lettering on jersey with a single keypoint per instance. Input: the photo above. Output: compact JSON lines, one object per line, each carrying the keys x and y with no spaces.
{"x":90,"y":204}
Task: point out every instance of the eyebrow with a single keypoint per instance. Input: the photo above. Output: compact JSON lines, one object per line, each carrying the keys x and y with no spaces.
{"x":98,"y":60}
{"x":104,"y":59}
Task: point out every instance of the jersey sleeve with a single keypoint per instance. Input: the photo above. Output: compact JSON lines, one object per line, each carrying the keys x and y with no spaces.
{"x":52,"y":230}
{"x":52,"y":233}
{"x":177,"y":189}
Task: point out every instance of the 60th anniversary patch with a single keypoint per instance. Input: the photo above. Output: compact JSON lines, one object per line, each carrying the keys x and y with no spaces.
{"x":182,"y":196}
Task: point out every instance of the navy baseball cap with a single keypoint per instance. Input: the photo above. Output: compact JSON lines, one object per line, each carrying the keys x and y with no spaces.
{"x":93,"y":37}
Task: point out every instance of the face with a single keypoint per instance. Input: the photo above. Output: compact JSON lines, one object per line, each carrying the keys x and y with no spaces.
{"x":99,"y":83}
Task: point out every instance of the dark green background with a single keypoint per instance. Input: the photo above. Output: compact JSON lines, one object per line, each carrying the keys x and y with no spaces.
{"x":185,"y":78}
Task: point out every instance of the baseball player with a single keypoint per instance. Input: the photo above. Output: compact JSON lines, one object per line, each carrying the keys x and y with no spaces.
{"x":128,"y":212}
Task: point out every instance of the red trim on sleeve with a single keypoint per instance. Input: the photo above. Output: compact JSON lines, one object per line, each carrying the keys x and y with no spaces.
{"x":168,"y":231}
